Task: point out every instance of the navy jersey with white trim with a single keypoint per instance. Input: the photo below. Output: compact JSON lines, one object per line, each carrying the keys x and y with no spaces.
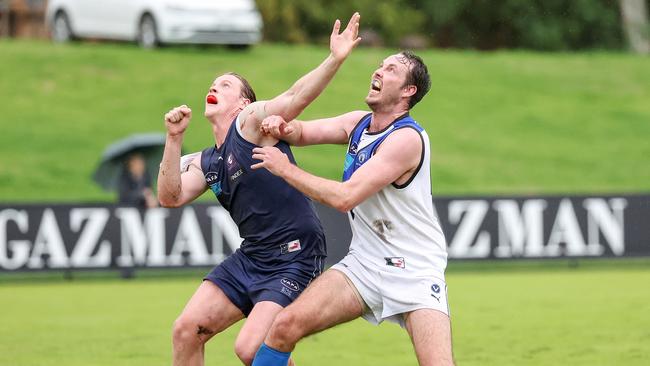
{"x":269,"y":212}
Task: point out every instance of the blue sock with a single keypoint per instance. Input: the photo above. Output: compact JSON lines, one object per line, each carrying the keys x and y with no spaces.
{"x":267,"y":356}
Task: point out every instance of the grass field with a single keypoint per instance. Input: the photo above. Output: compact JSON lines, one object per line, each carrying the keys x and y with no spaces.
{"x":560,"y":316}
{"x":504,"y":122}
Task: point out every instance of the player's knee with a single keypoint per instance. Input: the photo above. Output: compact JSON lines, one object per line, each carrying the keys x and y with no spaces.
{"x":188,"y":333}
{"x":245,"y":349}
{"x":182,"y":332}
{"x":287,"y":329}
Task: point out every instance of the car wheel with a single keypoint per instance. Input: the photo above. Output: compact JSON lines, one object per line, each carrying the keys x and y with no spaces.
{"x":61,"y":31}
{"x":147,"y":33}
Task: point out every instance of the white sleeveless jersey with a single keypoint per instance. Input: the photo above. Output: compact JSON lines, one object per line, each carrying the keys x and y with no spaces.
{"x":396,"y":228}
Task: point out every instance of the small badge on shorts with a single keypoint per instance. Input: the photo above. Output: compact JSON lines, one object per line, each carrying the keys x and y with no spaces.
{"x":436,"y":291}
{"x":395,"y":262}
{"x":289,"y":287}
{"x":292,"y":246}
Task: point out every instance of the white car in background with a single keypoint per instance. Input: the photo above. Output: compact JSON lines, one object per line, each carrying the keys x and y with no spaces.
{"x":155,"y":22}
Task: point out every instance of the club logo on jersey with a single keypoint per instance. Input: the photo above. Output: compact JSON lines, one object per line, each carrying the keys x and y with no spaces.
{"x":290,"y":284}
{"x":292,"y":246}
{"x":231,"y":163}
{"x":211,"y":178}
{"x":395,"y":262}
{"x":363,"y":156}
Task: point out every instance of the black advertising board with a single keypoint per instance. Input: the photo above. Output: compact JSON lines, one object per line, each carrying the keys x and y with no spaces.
{"x":67,"y":236}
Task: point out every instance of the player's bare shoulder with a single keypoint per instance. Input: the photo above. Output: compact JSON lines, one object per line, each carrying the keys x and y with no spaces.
{"x":405,"y":145}
{"x":253,"y":115}
{"x":250,"y":122}
{"x":350,"y":120}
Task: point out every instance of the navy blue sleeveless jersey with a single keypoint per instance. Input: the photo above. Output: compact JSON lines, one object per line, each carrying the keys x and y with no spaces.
{"x":356,"y":156}
{"x":277,"y":222}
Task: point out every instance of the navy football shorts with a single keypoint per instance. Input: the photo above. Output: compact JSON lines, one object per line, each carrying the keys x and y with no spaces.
{"x":246,"y":283}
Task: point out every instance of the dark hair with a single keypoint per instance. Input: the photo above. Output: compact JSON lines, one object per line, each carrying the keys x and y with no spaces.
{"x":246,"y":90}
{"x":418,"y":75}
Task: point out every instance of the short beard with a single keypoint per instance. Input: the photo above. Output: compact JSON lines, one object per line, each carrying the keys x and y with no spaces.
{"x":374,"y":106}
{"x":377,"y":106}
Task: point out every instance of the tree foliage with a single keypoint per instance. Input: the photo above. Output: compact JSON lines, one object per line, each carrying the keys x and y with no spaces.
{"x":481,"y":24}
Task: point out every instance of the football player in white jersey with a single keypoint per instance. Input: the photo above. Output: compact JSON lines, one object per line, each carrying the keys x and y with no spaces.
{"x":395,"y":267}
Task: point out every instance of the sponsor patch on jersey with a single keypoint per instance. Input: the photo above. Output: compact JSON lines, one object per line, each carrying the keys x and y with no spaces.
{"x":236,"y":175}
{"x":395,"y":262}
{"x":290,"y":284}
{"x":349,"y":160}
{"x":292,"y":246}
{"x":211,"y":178}
{"x":216,"y":188}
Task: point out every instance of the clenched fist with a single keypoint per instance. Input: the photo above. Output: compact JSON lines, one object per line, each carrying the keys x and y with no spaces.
{"x":276,"y":126}
{"x":177,"y":120}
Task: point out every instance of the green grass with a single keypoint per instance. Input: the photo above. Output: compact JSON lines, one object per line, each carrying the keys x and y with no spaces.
{"x":504,"y":122}
{"x":552,"y":316}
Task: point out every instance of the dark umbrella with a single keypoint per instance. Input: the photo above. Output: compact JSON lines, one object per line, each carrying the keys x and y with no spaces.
{"x":150,"y":145}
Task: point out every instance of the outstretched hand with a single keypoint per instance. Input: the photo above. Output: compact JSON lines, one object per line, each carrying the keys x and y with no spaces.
{"x":342,"y":44}
{"x":274,"y":160}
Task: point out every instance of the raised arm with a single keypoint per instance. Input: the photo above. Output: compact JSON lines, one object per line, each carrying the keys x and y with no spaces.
{"x":292,"y":102}
{"x":396,"y":160}
{"x":175,"y":188}
{"x":334,"y":130}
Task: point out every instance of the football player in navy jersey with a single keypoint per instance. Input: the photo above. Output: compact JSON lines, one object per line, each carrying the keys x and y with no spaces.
{"x":284,"y":245}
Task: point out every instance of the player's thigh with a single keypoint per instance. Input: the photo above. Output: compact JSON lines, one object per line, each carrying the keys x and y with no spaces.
{"x":209,"y":311}
{"x":430,"y":332}
{"x":330,"y":300}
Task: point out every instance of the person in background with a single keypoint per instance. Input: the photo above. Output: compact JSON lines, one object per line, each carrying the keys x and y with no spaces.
{"x":135,"y":184}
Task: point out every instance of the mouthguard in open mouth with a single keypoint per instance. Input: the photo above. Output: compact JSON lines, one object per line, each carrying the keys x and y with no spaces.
{"x":376,"y":85}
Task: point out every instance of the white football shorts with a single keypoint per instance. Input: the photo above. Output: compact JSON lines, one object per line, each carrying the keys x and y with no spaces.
{"x":391,"y":293}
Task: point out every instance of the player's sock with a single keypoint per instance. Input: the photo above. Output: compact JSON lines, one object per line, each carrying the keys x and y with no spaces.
{"x":267,"y":356}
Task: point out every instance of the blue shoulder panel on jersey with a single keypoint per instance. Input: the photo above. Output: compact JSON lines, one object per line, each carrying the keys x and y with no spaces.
{"x":356,"y":157}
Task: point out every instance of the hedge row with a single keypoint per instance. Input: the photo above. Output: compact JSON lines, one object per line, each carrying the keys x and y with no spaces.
{"x":481,"y":24}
